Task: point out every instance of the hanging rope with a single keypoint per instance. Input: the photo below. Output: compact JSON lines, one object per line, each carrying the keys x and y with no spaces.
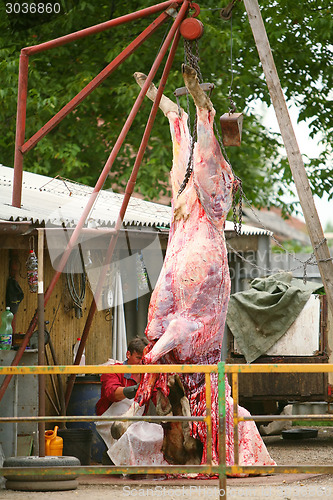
{"x":232,"y":106}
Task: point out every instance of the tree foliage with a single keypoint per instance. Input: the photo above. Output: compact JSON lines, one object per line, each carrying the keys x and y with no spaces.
{"x":300,"y":34}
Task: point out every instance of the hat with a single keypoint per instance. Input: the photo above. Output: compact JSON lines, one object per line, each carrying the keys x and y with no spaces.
{"x":14,"y":295}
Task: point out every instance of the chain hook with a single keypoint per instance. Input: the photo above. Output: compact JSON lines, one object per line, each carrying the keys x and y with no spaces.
{"x":232,"y":105}
{"x":194,"y":6}
{"x":226,"y":12}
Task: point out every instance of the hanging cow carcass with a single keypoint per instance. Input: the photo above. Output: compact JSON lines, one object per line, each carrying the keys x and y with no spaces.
{"x":188,"y":307}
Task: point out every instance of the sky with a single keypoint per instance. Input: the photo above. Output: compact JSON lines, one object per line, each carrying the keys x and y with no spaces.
{"x":308,"y":146}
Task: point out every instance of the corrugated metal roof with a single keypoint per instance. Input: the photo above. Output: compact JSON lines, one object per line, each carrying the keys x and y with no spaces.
{"x":57,"y":201}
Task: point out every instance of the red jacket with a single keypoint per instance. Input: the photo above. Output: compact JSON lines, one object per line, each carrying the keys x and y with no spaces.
{"x":111,"y":382}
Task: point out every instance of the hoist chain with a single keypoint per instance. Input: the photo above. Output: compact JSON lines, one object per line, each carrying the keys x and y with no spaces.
{"x":237,"y":187}
{"x":192,"y":61}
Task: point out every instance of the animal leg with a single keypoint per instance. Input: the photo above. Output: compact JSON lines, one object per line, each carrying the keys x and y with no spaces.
{"x":179,"y":132}
{"x":166,"y":105}
{"x":212,"y":176}
{"x":201,"y":100}
{"x":177,"y":334}
{"x":119,"y":428}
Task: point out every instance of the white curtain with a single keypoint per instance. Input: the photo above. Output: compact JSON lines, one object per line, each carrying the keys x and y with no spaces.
{"x":119,"y":340}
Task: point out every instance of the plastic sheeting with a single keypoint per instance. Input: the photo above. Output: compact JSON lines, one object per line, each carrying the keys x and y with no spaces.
{"x":140,"y":445}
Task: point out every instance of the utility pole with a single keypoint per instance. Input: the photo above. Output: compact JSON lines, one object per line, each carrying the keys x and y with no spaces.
{"x":296,"y":163}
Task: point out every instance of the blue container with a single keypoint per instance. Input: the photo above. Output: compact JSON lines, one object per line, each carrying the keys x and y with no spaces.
{"x":86,"y":392}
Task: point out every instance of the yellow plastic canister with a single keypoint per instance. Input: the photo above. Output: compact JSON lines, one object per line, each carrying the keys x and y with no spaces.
{"x":53,"y":443}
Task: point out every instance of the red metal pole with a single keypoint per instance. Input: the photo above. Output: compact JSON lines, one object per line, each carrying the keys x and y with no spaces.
{"x":97,"y":188}
{"x":99,"y":27}
{"x":20,"y":129}
{"x":23,"y":81}
{"x":128,"y":192}
{"x":116,"y":148}
{"x":94,"y":83}
{"x":41,"y":343}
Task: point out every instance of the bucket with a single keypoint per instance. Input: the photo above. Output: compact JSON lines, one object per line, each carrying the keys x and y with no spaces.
{"x":53,"y":443}
{"x":85,"y":394}
{"x":77,"y":443}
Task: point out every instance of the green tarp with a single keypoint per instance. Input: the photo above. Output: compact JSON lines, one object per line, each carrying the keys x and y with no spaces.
{"x":258,"y":317}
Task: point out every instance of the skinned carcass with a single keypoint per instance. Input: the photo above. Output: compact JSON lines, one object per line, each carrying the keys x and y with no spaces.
{"x":188,"y":307}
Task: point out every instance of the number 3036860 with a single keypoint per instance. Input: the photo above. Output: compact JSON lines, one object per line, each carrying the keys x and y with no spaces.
{"x":32,"y":8}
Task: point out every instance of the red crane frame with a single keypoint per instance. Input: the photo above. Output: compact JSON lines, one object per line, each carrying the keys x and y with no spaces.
{"x":178,"y":9}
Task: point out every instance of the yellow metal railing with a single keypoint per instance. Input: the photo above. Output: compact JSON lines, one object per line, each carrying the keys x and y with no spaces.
{"x":219,"y":469}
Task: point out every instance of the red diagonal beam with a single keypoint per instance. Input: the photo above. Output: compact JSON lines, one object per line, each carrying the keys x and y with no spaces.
{"x":94,"y":83}
{"x":127,"y":196}
{"x":98,"y":187}
{"x":20,"y":147}
{"x":57,"y":42}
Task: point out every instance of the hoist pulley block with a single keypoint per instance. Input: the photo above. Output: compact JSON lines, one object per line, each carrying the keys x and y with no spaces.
{"x":231,"y":126}
{"x":191,"y":28}
{"x":183,"y":90}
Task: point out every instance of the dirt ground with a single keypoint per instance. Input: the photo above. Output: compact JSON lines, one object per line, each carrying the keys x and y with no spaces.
{"x":315,"y":451}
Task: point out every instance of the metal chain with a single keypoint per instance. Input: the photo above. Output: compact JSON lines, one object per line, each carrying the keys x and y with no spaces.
{"x":311,"y":261}
{"x":193,"y":61}
{"x":266,"y":269}
{"x":237,"y":187}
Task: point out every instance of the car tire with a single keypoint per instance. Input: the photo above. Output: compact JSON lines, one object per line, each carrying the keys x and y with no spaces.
{"x":69,"y":484}
{"x":40,"y":482}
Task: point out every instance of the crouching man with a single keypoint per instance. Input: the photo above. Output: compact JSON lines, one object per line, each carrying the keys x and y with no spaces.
{"x":142,"y":442}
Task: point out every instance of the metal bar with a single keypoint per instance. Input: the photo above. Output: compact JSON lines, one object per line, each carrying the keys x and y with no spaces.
{"x":93,"y":198}
{"x":20,"y":129}
{"x":93,"y":369}
{"x":208,"y":418}
{"x":47,"y":392}
{"x":83,"y":470}
{"x":221,"y":469}
{"x":41,"y":343}
{"x":53,"y":386}
{"x":95,"y":232}
{"x":281,"y":469}
{"x":53,"y":122}
{"x":65,"y":369}
{"x":280,"y":368}
{"x":60,"y":382}
{"x":57,"y":42}
{"x":222,"y":431}
{"x":235,"y":416}
{"x":264,"y":418}
{"x":89,"y":418}
{"x":183,"y":90}
{"x":173,"y":469}
{"x":174,"y":32}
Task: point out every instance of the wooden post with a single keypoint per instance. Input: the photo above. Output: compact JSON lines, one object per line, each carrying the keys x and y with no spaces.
{"x":41,"y":343}
{"x":296,"y":163}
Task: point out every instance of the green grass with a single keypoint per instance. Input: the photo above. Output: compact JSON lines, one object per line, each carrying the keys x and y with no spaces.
{"x":313,"y":423}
